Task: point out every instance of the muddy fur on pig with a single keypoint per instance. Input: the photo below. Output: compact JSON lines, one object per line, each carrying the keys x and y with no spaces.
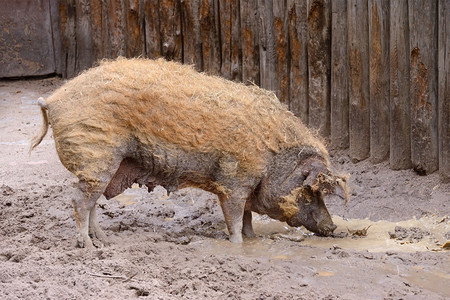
{"x":154,"y":122}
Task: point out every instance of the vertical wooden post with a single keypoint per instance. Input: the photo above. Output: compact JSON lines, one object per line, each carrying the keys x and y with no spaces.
{"x":170,"y":26}
{"x":423,"y":72}
{"x":192,"y":47}
{"x":230,"y":36}
{"x":225,"y":36}
{"x":358,"y":44}
{"x":56,"y":35}
{"x":267,"y":45}
{"x":298,"y":77}
{"x":116,"y":28}
{"x":400,"y":122}
{"x":152,"y":21}
{"x":379,"y":79}
{"x":134,"y":28}
{"x":444,"y":88}
{"x":68,"y":38}
{"x":339,"y":75}
{"x":210,"y":36}
{"x":98,"y":23}
{"x":281,"y":38}
{"x":319,"y":60}
{"x":250,"y":41}
{"x":83,"y":59}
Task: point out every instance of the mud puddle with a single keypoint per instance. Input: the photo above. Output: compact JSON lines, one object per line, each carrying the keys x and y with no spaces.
{"x":429,"y":233}
{"x":384,"y":240}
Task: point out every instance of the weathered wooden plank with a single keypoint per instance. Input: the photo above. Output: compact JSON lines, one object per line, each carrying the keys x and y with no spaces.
{"x":444,"y":88}
{"x":250,"y":41}
{"x":358,"y":46}
{"x":236,"y":40}
{"x":170,"y":25}
{"x":98,"y":26}
{"x":116,"y":28}
{"x":26,"y":46}
{"x":339,"y":135}
{"x":152,"y":29}
{"x":281,"y":37}
{"x":267,"y":45}
{"x":226,"y":7}
{"x":319,"y":60}
{"x":56,"y":35}
{"x":134,"y":28}
{"x":230,"y":36}
{"x":192,"y":47}
{"x":68,"y":41}
{"x":423,"y":76}
{"x":210,"y":35}
{"x":400,"y":122}
{"x":83,"y":36}
{"x":298,"y":77}
{"x":379,"y":79}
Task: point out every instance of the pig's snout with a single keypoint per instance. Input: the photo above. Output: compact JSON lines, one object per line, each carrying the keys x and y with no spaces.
{"x":327,"y":229}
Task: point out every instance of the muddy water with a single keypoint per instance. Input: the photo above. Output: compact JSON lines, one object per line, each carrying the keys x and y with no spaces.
{"x":307,"y":246}
{"x":431,"y":235}
{"x":433,"y":230}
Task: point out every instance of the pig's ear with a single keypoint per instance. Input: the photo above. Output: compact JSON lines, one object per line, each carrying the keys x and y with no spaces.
{"x":308,"y":178}
{"x":311,"y":180}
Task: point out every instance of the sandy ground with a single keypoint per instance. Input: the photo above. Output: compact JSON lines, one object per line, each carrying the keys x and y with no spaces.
{"x":176,"y":247}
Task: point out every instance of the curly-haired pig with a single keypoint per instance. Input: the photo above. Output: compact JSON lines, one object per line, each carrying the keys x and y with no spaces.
{"x":154,"y":122}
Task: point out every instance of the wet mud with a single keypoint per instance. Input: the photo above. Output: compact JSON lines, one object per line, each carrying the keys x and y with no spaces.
{"x":389,"y":244}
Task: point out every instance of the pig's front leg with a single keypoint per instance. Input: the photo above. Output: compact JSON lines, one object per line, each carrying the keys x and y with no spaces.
{"x":233,"y":204}
{"x":247,"y":227}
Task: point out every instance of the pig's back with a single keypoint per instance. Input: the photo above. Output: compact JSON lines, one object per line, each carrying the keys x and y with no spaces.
{"x":171,"y":105}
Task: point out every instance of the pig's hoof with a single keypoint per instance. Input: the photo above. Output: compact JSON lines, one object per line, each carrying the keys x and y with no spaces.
{"x":249,"y":233}
{"x":100,"y":236}
{"x":84,"y":242}
{"x":98,"y":244}
{"x":236,"y":239}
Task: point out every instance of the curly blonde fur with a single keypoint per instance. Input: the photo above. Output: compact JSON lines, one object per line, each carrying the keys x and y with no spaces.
{"x":157,"y":102}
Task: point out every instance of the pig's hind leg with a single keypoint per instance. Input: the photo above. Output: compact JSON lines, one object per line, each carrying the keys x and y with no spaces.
{"x":84,"y":204}
{"x":126,"y":173}
{"x":84,"y":211}
{"x":94,"y":228}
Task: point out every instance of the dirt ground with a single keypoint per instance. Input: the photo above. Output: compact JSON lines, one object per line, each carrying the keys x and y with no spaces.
{"x":176,"y":247}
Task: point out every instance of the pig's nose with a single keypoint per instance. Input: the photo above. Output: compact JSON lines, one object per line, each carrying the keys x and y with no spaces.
{"x":333,"y":228}
{"x":329,"y":228}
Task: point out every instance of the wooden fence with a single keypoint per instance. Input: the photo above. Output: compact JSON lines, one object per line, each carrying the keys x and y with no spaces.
{"x":370,"y":75}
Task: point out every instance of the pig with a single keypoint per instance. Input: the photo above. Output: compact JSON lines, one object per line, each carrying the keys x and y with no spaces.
{"x":155,"y":122}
